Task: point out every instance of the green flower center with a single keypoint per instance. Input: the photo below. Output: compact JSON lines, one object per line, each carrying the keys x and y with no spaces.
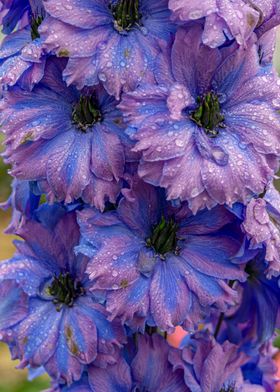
{"x":208,"y":114}
{"x":86,"y":113}
{"x":64,"y":290}
{"x":35,"y":23}
{"x":163,"y":238}
{"x":126,"y":14}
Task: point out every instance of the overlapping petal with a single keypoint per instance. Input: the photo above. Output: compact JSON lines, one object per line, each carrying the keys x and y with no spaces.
{"x":119,"y":58}
{"x":180,"y":154}
{"x":73,"y":163}
{"x":142,"y":284}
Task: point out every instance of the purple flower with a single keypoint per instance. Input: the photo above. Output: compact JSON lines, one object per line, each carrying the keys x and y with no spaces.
{"x":255,"y":319}
{"x":114,"y":378}
{"x":70,"y":142}
{"x":161,"y":264}
{"x":149,"y":370}
{"x":212,"y":367}
{"x":223,"y":19}
{"x":261,"y":224}
{"x":112,"y":41}
{"x":21,"y":54}
{"x":152,"y":354}
{"x":208,"y":132}
{"x":21,"y":59}
{"x":52,"y":317}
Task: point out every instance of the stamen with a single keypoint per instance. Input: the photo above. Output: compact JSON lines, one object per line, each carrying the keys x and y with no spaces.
{"x":208,"y":114}
{"x":126,"y":14}
{"x":64,"y":290}
{"x":163,"y":238}
{"x":86,"y":113}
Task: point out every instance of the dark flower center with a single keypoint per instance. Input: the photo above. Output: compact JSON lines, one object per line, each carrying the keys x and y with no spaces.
{"x":64,"y":290}
{"x":35,"y":23}
{"x":163,"y":238}
{"x":252,"y":271}
{"x":208,"y":114}
{"x":126,"y":14}
{"x":86,"y":113}
{"x":228,"y":389}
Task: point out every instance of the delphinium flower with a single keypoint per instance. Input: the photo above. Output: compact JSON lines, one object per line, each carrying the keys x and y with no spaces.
{"x":22,"y":58}
{"x":256,"y":318}
{"x":148,"y":370}
{"x":209,"y":131}
{"x":143,"y":137}
{"x":112,"y":41}
{"x":212,"y":367}
{"x":74,"y":140}
{"x":159,"y":263}
{"x":261,"y":224}
{"x":223,"y":20}
{"x":53,"y":320}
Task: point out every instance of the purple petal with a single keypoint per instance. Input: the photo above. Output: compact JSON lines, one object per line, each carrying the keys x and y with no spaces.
{"x":13,"y":305}
{"x":114,"y":378}
{"x":79,"y":13}
{"x":37,"y":334}
{"x":169,"y":295}
{"x":68,"y":167}
{"x":107,"y":161}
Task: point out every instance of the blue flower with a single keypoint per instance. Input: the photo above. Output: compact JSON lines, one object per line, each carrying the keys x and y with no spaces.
{"x":48,"y":316}
{"x":160,"y":263}
{"x":208,"y":132}
{"x":71,"y":142}
{"x":22,"y":59}
{"x":213,"y":367}
{"x":148,"y":370}
{"x":112,"y":41}
{"x":255,"y":320}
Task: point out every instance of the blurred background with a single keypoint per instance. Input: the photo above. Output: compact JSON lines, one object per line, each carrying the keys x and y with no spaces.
{"x":12,"y":380}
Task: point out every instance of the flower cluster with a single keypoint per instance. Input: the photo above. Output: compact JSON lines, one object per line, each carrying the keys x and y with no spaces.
{"x":144,"y":140}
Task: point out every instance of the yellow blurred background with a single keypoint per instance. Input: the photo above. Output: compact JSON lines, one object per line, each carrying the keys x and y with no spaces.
{"x":12,"y":380}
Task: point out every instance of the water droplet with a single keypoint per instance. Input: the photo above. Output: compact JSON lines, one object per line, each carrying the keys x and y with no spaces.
{"x":195,"y":14}
{"x":179,"y":142}
{"x":102,"y":77}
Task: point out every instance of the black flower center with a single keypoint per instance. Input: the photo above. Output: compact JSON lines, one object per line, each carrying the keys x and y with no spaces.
{"x":35,"y":23}
{"x":86,"y":113}
{"x":64,"y":290}
{"x":252,"y":270}
{"x":163,"y":238}
{"x":208,"y":114}
{"x":126,"y":14}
